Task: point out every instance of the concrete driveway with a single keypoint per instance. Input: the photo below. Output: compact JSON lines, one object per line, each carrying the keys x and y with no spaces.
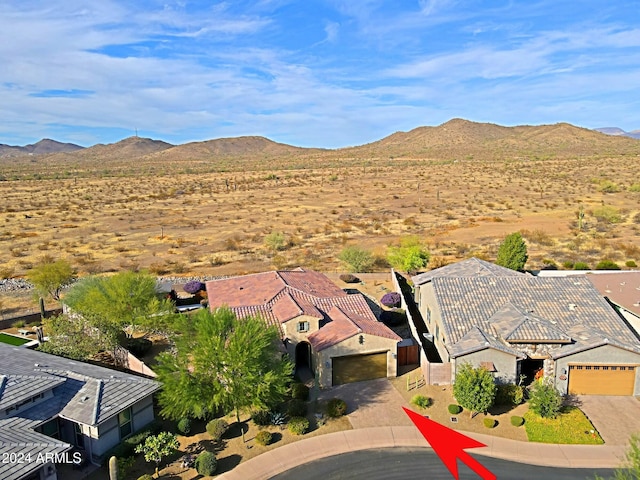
{"x":374,"y":403}
{"x":616,"y":418}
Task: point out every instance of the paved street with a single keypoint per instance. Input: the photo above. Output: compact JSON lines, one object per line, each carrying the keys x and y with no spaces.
{"x":421,"y":463}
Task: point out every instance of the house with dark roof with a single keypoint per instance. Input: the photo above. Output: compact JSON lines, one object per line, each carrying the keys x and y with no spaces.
{"x":516,"y":324}
{"x":54,"y":410}
{"x":335,"y":334}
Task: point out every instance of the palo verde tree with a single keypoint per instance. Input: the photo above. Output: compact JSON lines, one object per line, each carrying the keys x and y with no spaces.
{"x":512,"y":252}
{"x":223,"y":363}
{"x":356,"y":258}
{"x":410,"y":255}
{"x":50,"y":276}
{"x":474,"y":388}
{"x":157,"y":447}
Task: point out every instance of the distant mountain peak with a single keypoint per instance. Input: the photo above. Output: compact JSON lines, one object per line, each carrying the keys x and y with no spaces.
{"x":618,"y":132}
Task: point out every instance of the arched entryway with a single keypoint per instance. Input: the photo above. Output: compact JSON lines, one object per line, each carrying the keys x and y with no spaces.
{"x":303,"y":355}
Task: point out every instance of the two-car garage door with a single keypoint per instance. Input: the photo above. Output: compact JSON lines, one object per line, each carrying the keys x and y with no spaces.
{"x":601,"y":379}
{"x":356,"y":368}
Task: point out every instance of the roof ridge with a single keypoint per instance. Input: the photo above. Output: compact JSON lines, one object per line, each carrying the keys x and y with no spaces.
{"x":96,"y":406}
{"x":346,"y":315}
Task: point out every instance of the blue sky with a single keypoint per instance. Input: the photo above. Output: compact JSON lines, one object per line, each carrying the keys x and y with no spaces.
{"x":328,"y":73}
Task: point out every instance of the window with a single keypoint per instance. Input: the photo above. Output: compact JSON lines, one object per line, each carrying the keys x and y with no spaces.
{"x":79,"y":437}
{"x":303,"y":327}
{"x":428,"y":315}
{"x":124,"y":420}
{"x":437,"y":332}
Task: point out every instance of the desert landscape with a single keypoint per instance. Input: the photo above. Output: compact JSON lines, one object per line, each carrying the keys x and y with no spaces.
{"x":206,"y":208}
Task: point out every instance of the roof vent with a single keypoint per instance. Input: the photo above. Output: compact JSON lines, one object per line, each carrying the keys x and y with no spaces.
{"x":572,"y":306}
{"x":36,"y":365}
{"x":84,"y":399}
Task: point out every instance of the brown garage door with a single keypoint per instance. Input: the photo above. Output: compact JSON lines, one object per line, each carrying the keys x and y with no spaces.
{"x":357,"y":368}
{"x":601,"y":379}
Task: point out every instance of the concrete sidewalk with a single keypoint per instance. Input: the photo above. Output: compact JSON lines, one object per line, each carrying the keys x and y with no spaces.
{"x":298,"y":453}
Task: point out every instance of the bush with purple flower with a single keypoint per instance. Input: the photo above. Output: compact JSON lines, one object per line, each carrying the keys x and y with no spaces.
{"x":193,"y":287}
{"x":391,"y":299}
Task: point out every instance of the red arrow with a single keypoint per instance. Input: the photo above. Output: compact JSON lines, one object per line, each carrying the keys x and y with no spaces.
{"x":449,"y":445}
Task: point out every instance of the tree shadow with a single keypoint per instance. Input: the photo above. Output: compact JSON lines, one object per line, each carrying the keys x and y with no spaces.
{"x":228,"y":463}
{"x":235,"y":430}
{"x":571,"y":400}
{"x":501,"y":409}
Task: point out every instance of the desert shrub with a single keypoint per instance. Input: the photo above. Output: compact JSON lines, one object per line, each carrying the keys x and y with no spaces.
{"x":454,"y":409}
{"x":634,"y":188}
{"x":349,"y":278}
{"x":184,"y":426}
{"x":517,"y":421}
{"x":275,"y":241}
{"x":394,"y":317}
{"x":391,"y":299}
{"x":509,"y":394}
{"x":490,"y":422}
{"x":146,"y":476}
{"x":139,"y":346}
{"x":300,"y":391}
{"x":356,"y":258}
{"x":127,"y":447}
{"x":216,"y":428}
{"x":607,"y":265}
{"x":262,"y":418}
{"x":206,"y":464}
{"x":298,"y":425}
{"x":18,"y":324}
{"x":336,"y":407}
{"x":193,"y":287}
{"x":631,"y":264}
{"x":297,"y":408}
{"x":264,"y":438}
{"x":581,"y":266}
{"x":421,"y":401}
{"x":607,"y":186}
{"x":568,"y":264}
{"x":607,"y":214}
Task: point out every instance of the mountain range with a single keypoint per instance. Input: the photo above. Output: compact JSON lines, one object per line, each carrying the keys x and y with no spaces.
{"x":456,"y":138}
{"x":619,"y":132}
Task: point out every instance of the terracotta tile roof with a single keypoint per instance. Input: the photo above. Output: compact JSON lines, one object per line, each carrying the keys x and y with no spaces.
{"x":621,"y":288}
{"x":283,"y":295}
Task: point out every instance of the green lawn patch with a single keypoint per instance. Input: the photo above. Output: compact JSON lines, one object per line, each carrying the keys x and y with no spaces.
{"x":571,"y":426}
{"x":13,"y":340}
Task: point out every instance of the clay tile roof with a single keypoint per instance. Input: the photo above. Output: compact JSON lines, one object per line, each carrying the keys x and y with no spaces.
{"x":340,"y":328}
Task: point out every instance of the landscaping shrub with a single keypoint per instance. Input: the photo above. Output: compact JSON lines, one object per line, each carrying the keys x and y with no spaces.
{"x":607,"y":265}
{"x":278,"y":418}
{"x":517,"y":421}
{"x":127,"y":447}
{"x":296,"y":408}
{"x":349,"y":278}
{"x":146,"y":476}
{"x":581,"y":266}
{"x":490,"y":422}
{"x":391,"y":299}
{"x":454,"y":409}
{"x":544,"y":399}
{"x":509,"y":394}
{"x":193,"y":287}
{"x":206,"y":463}
{"x":264,"y":438}
{"x":262,"y":418}
{"x":631,"y":264}
{"x":336,"y":407}
{"x":568,"y":264}
{"x":298,"y":425}
{"x":421,"y":401}
{"x":139,"y":346}
{"x":300,"y":391}
{"x":184,"y":426}
{"x":216,"y":428}
{"x":18,"y":324}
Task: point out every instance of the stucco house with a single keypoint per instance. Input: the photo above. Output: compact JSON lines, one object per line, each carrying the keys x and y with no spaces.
{"x":335,"y":334}
{"x":54,"y":410}
{"x":516,"y":324}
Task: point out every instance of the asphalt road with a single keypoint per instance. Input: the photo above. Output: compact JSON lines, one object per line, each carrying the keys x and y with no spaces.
{"x":423,"y":464}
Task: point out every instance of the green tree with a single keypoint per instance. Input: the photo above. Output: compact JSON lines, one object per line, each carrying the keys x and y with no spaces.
{"x":474,"y":388}
{"x":512,"y":252}
{"x":223,"y":363}
{"x":356,"y":258}
{"x":126,"y":300}
{"x":73,"y":336}
{"x":544,"y":399}
{"x":50,"y":276}
{"x":410,"y":255}
{"x":157,"y":447}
